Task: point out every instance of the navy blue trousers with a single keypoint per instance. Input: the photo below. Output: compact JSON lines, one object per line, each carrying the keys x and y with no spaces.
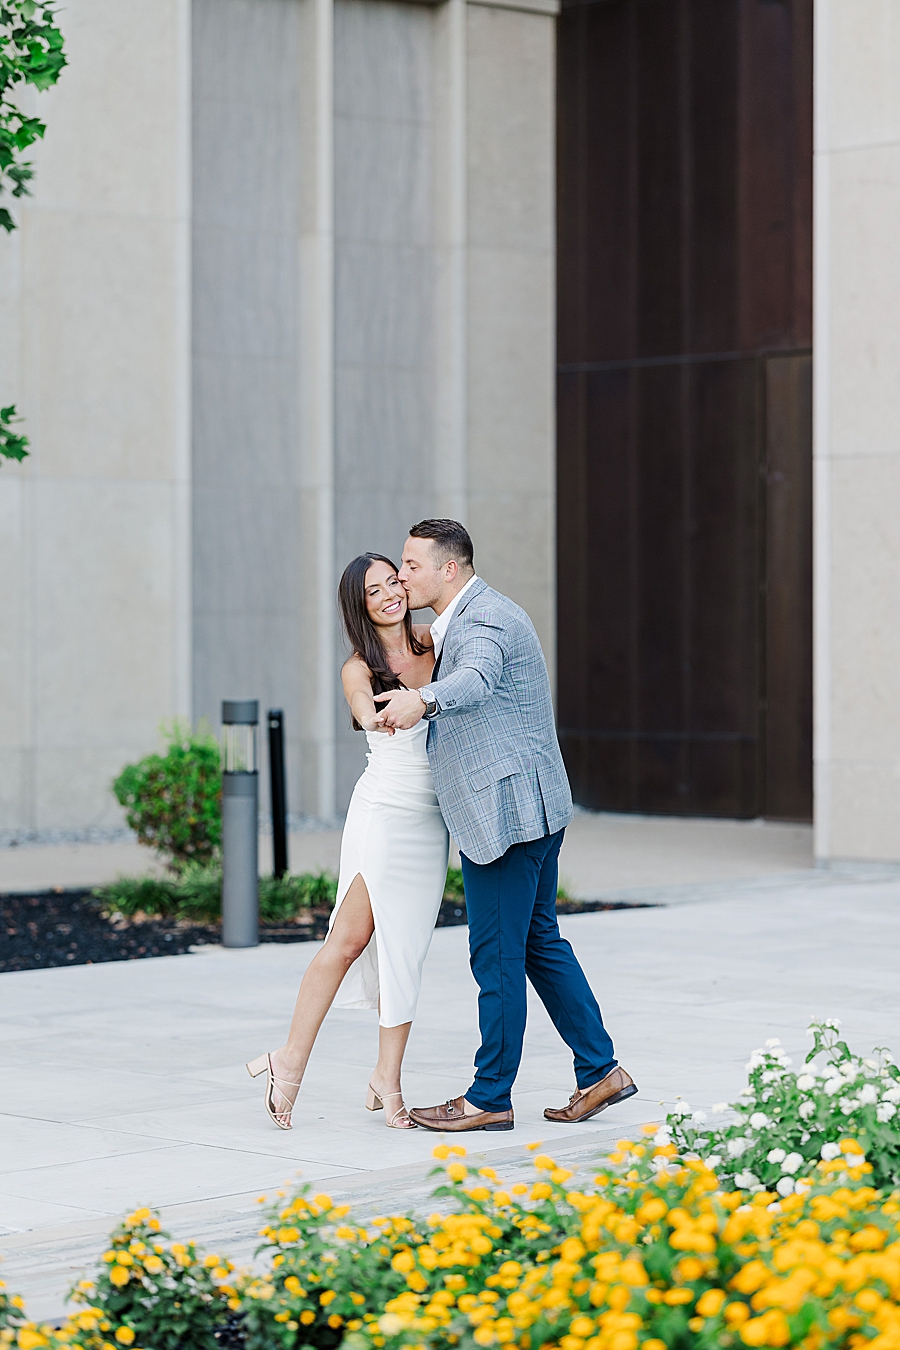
{"x":513,"y":933}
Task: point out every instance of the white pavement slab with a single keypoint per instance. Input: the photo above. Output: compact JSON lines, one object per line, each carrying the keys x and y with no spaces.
{"x":602,"y":853}
{"x":123,"y":1084}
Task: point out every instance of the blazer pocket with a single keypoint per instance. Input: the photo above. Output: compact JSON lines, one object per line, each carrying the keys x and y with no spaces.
{"x":494,"y":773}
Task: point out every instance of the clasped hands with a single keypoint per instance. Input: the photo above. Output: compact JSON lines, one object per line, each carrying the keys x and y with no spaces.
{"x":403,"y":709}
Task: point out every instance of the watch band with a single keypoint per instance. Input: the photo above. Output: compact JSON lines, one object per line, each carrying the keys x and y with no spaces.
{"x":432,"y":706}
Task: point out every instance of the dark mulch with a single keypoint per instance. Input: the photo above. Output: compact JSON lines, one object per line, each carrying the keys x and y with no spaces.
{"x":67,"y":928}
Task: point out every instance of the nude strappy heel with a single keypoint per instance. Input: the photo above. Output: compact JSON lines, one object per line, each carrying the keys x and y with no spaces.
{"x":264,"y":1065}
{"x":374,"y":1102}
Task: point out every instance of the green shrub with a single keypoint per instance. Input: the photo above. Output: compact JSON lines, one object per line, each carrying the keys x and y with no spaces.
{"x":173,"y":802}
{"x":196,"y":894}
{"x":282,"y":898}
{"x":454,"y":888}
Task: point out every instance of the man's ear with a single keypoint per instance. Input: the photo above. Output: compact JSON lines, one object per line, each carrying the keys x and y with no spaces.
{"x":452,"y":570}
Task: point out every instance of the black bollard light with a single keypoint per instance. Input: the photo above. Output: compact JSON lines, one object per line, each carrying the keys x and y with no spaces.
{"x":240,"y":825}
{"x":278,"y":791}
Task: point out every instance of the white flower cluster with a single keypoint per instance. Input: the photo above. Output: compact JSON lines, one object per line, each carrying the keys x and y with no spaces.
{"x":855,"y":1082}
{"x":835,"y":1095}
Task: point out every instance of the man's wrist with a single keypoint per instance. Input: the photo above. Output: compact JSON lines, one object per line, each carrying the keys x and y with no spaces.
{"x":430,"y":703}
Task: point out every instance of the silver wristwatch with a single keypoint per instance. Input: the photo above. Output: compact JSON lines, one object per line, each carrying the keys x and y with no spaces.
{"x":431,"y":704}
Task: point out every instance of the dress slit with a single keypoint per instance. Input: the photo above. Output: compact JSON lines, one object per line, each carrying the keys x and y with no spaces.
{"x":396,"y":841}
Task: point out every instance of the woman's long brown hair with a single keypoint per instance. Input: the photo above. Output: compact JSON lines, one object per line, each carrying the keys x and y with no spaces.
{"x":362,"y":634}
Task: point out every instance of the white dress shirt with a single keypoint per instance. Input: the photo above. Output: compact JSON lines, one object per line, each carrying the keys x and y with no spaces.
{"x":442,"y":622}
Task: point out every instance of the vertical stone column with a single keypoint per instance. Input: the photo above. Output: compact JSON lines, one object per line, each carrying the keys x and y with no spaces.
{"x":511,"y":303}
{"x":857,"y":430}
{"x":316,"y":378}
{"x":451,"y":236}
{"x":95,"y":606}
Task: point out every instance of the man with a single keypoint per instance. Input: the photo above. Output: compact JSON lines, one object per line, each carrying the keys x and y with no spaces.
{"x":503,"y":791}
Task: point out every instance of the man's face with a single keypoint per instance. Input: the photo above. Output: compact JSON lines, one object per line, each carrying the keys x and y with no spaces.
{"x":423,"y":578}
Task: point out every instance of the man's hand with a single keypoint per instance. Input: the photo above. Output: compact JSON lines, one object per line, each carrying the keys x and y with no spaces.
{"x":375,"y":723}
{"x":403,"y":708}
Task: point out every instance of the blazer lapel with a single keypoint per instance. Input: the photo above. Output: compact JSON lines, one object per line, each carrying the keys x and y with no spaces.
{"x":470,"y":595}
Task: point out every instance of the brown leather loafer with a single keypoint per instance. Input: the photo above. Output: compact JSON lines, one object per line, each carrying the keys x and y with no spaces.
{"x":589,"y":1101}
{"x":451,"y":1116}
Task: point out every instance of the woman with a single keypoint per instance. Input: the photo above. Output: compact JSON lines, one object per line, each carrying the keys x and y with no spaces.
{"x":393,"y":855}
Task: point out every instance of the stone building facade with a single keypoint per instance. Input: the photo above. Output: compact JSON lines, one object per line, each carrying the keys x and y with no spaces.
{"x":287,"y":284}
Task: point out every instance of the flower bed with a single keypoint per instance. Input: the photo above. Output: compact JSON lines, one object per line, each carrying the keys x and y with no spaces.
{"x":652,"y":1255}
{"x":663,"y":1251}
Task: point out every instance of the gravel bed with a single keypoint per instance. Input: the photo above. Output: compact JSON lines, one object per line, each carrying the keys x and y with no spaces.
{"x":67,"y":928}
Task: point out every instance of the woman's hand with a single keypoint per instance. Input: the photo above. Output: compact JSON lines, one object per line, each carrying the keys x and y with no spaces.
{"x":375,"y":722}
{"x":404,"y":708}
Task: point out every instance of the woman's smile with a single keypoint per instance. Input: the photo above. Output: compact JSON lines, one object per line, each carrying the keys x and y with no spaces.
{"x":393,"y":607}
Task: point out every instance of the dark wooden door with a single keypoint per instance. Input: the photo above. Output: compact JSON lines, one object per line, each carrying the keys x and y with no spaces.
{"x":684,"y":410}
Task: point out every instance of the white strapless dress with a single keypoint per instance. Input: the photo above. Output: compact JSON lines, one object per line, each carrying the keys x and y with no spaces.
{"x":396,"y":840}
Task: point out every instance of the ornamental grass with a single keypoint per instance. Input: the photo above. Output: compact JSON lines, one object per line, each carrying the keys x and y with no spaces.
{"x":653,"y":1255}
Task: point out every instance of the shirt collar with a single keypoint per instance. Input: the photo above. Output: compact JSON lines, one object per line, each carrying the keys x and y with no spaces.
{"x":442,"y":622}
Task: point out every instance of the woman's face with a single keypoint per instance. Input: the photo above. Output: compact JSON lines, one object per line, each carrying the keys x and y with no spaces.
{"x":385,"y":596}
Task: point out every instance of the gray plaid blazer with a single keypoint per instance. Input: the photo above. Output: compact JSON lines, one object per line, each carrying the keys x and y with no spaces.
{"x":495,"y":759}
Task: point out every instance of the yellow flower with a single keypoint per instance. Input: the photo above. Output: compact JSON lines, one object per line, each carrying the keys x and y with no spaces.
{"x":673,"y":1297}
{"x":125,"y":1336}
{"x":632,"y":1272}
{"x":457,"y":1171}
{"x":335,"y":1321}
{"x":119,"y":1276}
{"x":541,"y":1191}
{"x":153,"y":1265}
{"x":30,"y":1338}
{"x":710,"y":1303}
{"x":441,"y":1152}
{"x":327,"y":1297}
{"x":324,"y":1202}
{"x":736,"y":1313}
{"x":307,"y":1317}
{"x":771,"y":1329}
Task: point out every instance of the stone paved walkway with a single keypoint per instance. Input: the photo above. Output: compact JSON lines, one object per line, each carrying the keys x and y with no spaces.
{"x":123,"y":1084}
{"x":603,"y":853}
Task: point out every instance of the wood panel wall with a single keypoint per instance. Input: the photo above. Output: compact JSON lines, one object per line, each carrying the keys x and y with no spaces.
{"x":684,"y":415}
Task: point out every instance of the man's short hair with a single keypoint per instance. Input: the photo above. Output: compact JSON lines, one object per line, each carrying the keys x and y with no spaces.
{"x":450,"y":539}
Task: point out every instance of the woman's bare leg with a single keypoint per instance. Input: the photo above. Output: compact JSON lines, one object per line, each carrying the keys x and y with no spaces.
{"x":391,"y":1048}
{"x":353,"y":928}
